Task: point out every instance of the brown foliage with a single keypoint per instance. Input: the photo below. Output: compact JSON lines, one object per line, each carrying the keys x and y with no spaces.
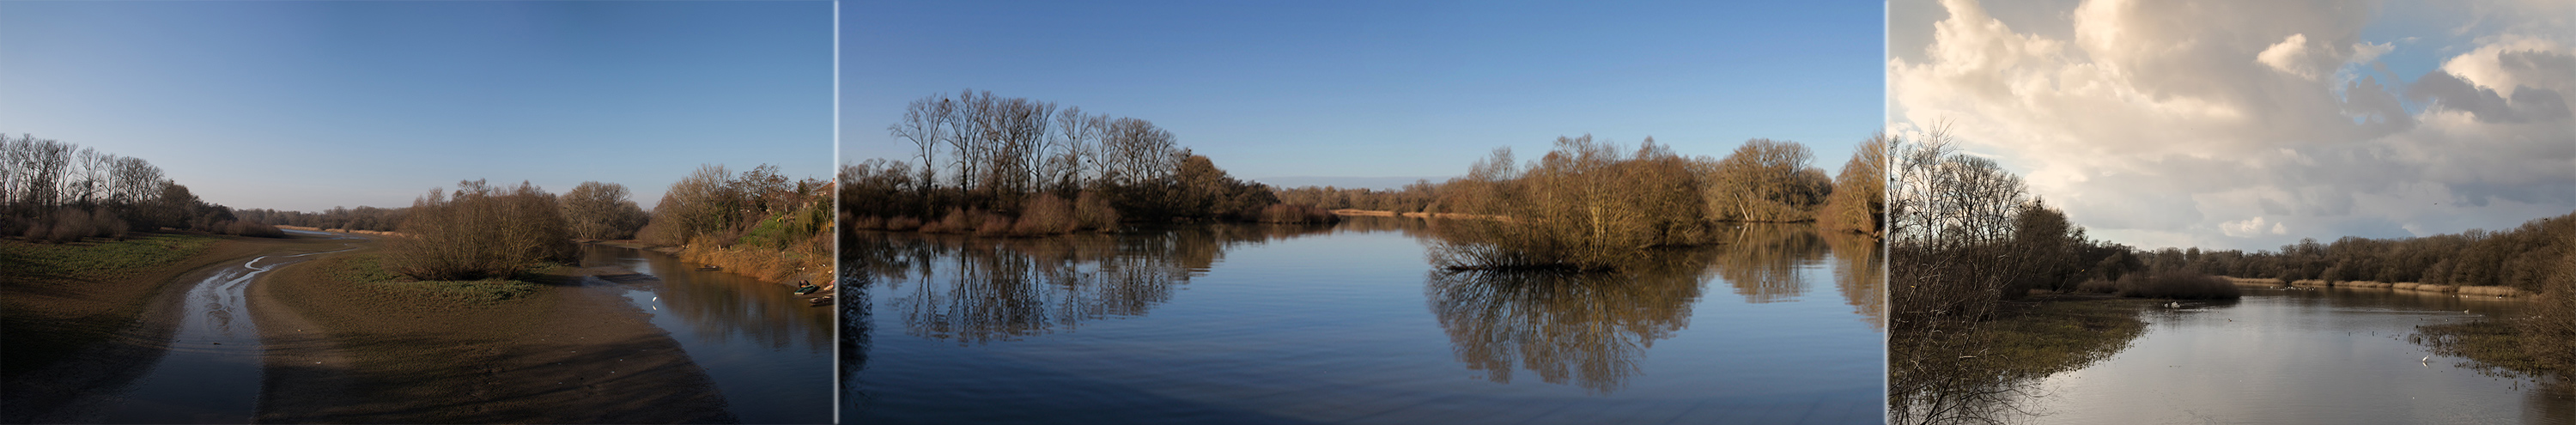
{"x":1859,"y":202}
{"x":1302,"y":214}
{"x":481,"y":232}
{"x":2178,"y":284}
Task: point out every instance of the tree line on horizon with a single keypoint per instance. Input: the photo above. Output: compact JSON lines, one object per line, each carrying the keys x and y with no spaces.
{"x":1587,"y":203}
{"x":1014,"y":166}
{"x":1761,"y":181}
{"x":57,"y":192}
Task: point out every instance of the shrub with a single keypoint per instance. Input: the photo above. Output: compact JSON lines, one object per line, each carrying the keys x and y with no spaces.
{"x":2097,"y":286}
{"x":994,"y":225}
{"x":1297,"y":213}
{"x":481,"y":232}
{"x":2177,"y":284}
{"x":1045,"y":214}
{"x":1091,"y":211}
{"x":253,"y":229}
{"x":902,"y":223}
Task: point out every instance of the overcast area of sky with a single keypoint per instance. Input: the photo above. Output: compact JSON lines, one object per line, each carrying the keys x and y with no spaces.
{"x":2252,"y":125}
{"x":1385,"y":89}
{"x":310,"y":105}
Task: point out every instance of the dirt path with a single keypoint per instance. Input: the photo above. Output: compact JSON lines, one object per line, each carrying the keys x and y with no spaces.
{"x":568,"y":353}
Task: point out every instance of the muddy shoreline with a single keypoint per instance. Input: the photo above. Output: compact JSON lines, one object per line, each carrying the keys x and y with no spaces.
{"x":572,"y":353}
{"x":78,"y":387}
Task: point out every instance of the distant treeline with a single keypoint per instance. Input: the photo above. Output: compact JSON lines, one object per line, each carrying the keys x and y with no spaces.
{"x":1586,"y":203}
{"x":51,"y":191}
{"x":1761,"y":181}
{"x":756,"y":222}
{"x":988,"y":165}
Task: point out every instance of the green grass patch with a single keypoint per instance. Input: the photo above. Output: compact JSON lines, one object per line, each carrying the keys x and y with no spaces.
{"x":366,"y":273}
{"x":93,"y":258}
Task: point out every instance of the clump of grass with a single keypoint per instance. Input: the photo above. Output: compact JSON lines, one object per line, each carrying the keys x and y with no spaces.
{"x":2178,"y":285}
{"x":368,"y":273}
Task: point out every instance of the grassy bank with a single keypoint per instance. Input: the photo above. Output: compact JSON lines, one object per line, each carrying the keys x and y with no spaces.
{"x":60,"y":298}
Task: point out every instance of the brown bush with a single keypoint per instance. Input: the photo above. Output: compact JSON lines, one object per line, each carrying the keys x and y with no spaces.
{"x":902,"y":223}
{"x":2097,"y":286}
{"x":253,"y":229}
{"x":994,"y":225}
{"x":1298,"y":213}
{"x":481,"y":232}
{"x":1092,"y":211}
{"x":1045,"y":214}
{"x":2177,"y":284}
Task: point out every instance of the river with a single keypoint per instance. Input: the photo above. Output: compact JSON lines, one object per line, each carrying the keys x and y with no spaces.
{"x":1349,"y":323}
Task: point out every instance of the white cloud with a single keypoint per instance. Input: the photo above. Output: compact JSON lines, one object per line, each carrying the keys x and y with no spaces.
{"x":2246,"y":227}
{"x":2290,"y":56}
{"x":2216,"y":123}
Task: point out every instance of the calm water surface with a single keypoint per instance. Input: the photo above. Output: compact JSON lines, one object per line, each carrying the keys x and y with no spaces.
{"x":2278,"y":356}
{"x":767,"y":350}
{"x":1350,"y":324}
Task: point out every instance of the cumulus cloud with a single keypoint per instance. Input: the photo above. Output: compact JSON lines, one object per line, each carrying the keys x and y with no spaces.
{"x":2246,"y":125}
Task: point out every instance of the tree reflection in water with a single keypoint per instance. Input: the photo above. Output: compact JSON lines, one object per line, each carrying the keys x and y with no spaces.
{"x":1591,"y":329}
{"x":974,"y":290}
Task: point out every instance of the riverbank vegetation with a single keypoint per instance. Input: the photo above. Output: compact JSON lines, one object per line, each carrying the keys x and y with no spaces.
{"x":756,"y":223}
{"x":990,"y":166}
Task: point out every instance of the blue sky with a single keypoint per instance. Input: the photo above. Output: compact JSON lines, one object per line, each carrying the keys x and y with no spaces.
{"x":308,"y":105}
{"x":1385,"y":89}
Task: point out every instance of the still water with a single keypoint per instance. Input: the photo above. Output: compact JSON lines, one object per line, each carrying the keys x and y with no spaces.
{"x":1349,"y":323}
{"x":2289,"y":356}
{"x":769,"y":351}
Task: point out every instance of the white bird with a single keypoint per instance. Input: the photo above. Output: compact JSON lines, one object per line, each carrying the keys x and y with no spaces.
{"x":2427,"y":359}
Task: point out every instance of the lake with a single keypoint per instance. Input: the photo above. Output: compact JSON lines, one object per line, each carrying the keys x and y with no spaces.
{"x":1349,"y":323}
{"x":2302,"y":356}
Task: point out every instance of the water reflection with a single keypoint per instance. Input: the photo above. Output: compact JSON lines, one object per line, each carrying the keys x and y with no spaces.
{"x":981,"y":290}
{"x":717,"y":308}
{"x":1591,"y":329}
{"x":1860,"y":273}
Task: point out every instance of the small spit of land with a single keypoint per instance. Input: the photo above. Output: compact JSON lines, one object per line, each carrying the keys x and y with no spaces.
{"x":348,"y":342}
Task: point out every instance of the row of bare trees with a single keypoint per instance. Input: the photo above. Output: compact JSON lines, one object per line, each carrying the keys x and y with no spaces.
{"x":983,"y":164}
{"x":1761,"y":181}
{"x":54,"y":191}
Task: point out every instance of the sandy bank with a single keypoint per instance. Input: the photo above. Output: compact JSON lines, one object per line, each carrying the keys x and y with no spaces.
{"x":566,"y":353}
